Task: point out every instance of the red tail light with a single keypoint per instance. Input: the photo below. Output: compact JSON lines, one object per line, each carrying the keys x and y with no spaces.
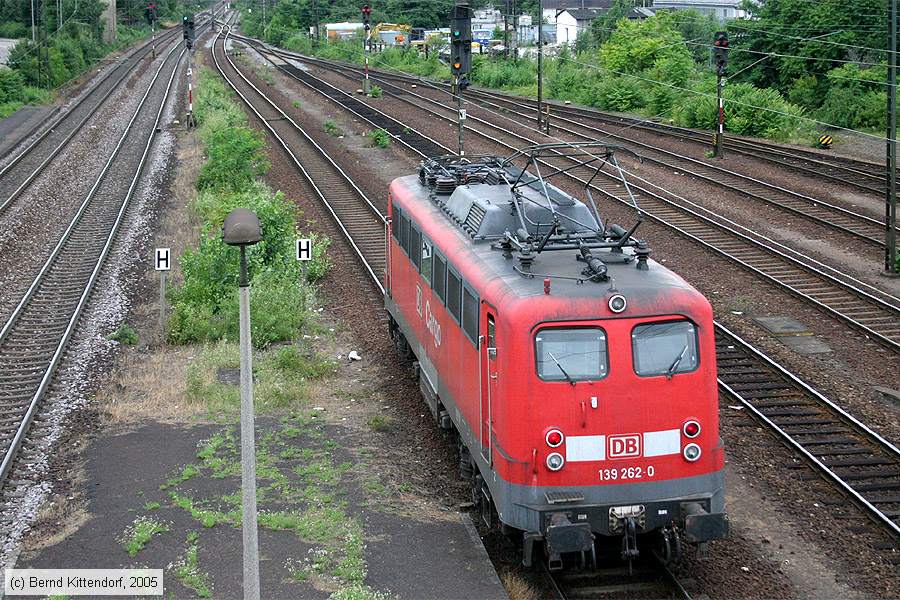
{"x":554,"y":438}
{"x":691,"y":429}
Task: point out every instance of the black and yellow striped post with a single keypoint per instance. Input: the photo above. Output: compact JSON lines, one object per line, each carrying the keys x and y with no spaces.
{"x":825,"y":141}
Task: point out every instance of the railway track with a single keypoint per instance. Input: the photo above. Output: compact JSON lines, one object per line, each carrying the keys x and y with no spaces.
{"x":34,"y":338}
{"x":844,"y":451}
{"x":31,"y":161}
{"x":863,"y":307}
{"x":858,"y":174}
{"x":361,"y":223}
{"x":831,"y":216}
{"x":648,"y":578}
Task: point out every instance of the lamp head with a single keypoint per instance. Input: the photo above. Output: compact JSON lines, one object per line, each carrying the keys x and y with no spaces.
{"x":241,"y":228}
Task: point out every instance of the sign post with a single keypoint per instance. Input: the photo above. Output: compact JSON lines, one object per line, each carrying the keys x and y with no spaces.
{"x":304,"y":255}
{"x":163,"y":264}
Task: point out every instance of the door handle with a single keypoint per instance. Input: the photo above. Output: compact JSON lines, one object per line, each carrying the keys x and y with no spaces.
{"x":494,"y":376}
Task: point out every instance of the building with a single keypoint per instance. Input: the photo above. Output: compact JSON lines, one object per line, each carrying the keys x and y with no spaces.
{"x":574,"y":21}
{"x":6,"y":46}
{"x":553,"y":8}
{"x":721,"y":9}
{"x":338,"y":31}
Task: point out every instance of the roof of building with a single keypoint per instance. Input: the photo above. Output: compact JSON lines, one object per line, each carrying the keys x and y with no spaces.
{"x":566,"y":4}
{"x":585,"y":14}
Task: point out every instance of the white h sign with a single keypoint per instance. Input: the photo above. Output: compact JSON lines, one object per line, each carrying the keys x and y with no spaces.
{"x":163,"y":262}
{"x":304,"y":249}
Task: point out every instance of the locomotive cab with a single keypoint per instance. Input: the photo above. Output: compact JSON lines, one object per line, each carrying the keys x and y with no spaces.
{"x":579,"y":373}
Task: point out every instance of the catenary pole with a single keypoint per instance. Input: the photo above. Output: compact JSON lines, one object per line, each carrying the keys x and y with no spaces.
{"x":890,"y":256}
{"x":540,"y":65}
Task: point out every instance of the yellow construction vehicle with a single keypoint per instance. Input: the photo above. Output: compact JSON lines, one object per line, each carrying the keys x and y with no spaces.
{"x":401,"y":36}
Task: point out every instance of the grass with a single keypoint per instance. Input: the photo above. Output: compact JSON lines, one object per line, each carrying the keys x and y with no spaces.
{"x":331,"y":128}
{"x":139,"y":534}
{"x":375,"y":92}
{"x":380,"y":138}
{"x":151,"y":505}
{"x":282,"y":376}
{"x":296,"y":104}
{"x":381,"y":423}
{"x":125,"y":334}
{"x":188,"y":572}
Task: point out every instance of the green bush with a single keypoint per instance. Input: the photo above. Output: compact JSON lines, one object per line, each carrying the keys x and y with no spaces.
{"x":204,"y":305}
{"x":125,"y":334}
{"x":380,"y":138}
{"x":503,"y":74}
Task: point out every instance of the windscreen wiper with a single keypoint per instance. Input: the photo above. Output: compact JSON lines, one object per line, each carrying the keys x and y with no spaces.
{"x":572,"y":381}
{"x":676,"y":362}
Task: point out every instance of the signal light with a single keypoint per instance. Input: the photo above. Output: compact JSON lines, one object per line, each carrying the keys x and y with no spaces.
{"x":617,"y":303}
{"x":720,"y":51}
{"x":555,"y":461}
{"x":691,"y":429}
{"x":554,"y":438}
{"x":691,"y":452}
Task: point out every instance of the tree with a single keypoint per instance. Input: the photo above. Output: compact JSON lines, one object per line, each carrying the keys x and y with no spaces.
{"x":807,"y":29}
{"x":603,"y":26}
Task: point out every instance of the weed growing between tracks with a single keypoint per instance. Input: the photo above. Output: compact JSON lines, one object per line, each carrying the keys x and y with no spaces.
{"x":203,"y":305}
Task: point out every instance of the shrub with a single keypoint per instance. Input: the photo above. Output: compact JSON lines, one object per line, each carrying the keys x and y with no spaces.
{"x":375,"y":92}
{"x":205,"y":306}
{"x":503,"y":74}
{"x":380,"y":138}
{"x":331,"y":128}
{"x":125,"y":334}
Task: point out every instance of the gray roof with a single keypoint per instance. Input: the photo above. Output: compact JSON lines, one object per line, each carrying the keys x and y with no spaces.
{"x":646,"y":290}
{"x":585,"y":14}
{"x":565,"y":4}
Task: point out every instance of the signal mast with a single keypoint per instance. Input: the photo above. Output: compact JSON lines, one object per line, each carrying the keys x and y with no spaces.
{"x":461,"y":58}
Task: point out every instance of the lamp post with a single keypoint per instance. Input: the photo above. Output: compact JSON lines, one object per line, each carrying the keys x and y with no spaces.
{"x":242,"y":229}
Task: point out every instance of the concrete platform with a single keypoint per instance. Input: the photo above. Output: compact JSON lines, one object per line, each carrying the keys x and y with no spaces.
{"x":407,"y":554}
{"x":21,"y":124}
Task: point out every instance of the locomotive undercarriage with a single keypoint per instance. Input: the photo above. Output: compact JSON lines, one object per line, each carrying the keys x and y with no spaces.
{"x":564,"y":543}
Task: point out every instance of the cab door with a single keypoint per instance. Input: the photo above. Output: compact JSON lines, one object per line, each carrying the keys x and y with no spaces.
{"x":489,"y":375}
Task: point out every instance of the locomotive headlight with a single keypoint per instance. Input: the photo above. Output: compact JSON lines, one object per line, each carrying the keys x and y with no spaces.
{"x":691,"y":452}
{"x":555,"y":461}
{"x":617,"y":303}
{"x":691,"y":429}
{"x":555,"y":438}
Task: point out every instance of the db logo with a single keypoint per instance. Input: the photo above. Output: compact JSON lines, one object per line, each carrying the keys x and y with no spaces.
{"x":623,"y":446}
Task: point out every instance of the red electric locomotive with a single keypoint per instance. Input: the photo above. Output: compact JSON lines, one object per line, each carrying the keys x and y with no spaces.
{"x":579,"y":373}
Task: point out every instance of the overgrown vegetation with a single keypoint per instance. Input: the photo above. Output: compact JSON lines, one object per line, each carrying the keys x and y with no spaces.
{"x":139,"y":534}
{"x":783,"y":77}
{"x":204,"y":305}
{"x":69,"y":42}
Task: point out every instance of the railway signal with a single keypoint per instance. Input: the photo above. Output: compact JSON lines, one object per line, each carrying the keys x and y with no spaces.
{"x":187,"y":30}
{"x":720,"y":51}
{"x":720,"y":54}
{"x":367,"y":24}
{"x":151,"y":14}
{"x":461,"y":58}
